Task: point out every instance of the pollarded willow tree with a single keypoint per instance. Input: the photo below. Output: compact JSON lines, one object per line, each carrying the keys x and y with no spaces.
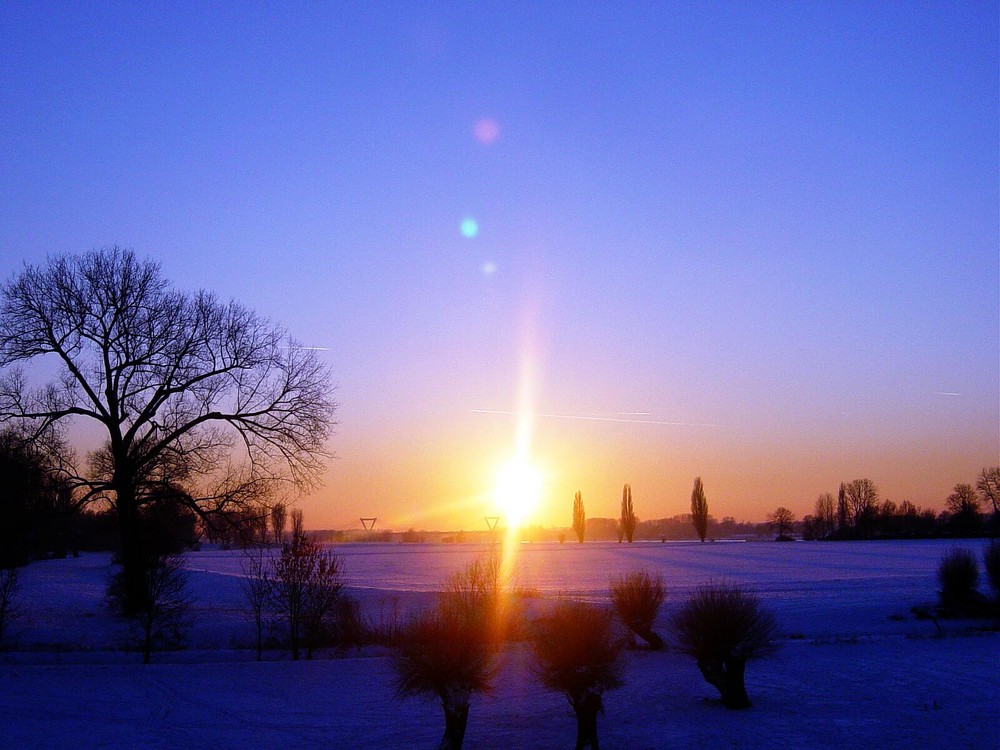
{"x":198,"y":401}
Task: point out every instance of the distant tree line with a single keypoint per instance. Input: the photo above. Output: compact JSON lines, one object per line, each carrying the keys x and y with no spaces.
{"x":858,"y":512}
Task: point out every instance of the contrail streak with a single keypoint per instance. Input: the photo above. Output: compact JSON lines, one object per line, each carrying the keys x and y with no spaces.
{"x":594,"y":418}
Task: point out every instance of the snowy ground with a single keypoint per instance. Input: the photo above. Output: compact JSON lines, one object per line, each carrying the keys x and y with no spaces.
{"x":856,"y":668}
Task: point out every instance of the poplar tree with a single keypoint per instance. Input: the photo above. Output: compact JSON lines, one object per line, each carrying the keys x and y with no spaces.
{"x":628,"y":520}
{"x":699,"y":509}
{"x":579,"y":517}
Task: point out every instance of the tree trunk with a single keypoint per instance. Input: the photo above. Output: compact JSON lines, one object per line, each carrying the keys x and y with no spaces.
{"x":260,"y":636}
{"x":735,"y":694}
{"x":133,"y":560}
{"x":587,"y":708}
{"x":456,"y":717}
{"x":727,"y":677}
{"x":654,"y":641}
{"x":147,"y":639}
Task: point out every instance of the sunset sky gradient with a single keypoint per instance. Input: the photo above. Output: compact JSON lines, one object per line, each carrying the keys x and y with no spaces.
{"x":752,"y":243}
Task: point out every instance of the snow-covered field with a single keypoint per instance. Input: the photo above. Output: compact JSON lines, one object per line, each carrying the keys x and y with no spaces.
{"x":856,"y":669}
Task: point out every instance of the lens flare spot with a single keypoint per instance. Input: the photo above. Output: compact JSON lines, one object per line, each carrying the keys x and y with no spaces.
{"x":469,"y":227}
{"x":486,"y":130}
{"x":488,"y":268}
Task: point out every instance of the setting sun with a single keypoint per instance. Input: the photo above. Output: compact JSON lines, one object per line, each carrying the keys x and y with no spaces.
{"x":517,"y":491}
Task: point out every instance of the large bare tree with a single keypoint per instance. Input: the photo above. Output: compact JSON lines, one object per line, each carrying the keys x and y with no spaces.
{"x":862,"y":502}
{"x":988,"y":485}
{"x":781,"y":519}
{"x":186,"y":390}
{"x":826,"y":514}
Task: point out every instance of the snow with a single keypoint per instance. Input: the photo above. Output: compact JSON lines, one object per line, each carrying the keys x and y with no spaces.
{"x":856,"y":669}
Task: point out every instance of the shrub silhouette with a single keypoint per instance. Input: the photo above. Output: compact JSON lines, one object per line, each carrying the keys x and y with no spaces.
{"x":722,"y":626}
{"x":957,"y":573}
{"x":637,"y":598}
{"x":577,"y":652}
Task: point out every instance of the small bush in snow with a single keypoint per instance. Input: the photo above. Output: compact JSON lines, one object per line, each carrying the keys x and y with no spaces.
{"x":578,"y":652}
{"x":957,"y":574}
{"x":723,"y":626}
{"x":637,"y":598}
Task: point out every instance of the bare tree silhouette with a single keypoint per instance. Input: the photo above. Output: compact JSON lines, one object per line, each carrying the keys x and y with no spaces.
{"x":861,"y":496}
{"x":257,"y":586}
{"x":305,"y":589}
{"x":279,"y":519}
{"x":188,"y":390}
{"x":826,"y":515}
{"x":963,"y":504}
{"x":781,"y":520}
{"x":988,"y":485}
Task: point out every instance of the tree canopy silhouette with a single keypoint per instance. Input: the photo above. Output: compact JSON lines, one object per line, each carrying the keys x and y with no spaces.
{"x":187,"y":390}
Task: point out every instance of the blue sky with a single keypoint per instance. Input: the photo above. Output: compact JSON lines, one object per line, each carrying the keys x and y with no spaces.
{"x":776,"y":225}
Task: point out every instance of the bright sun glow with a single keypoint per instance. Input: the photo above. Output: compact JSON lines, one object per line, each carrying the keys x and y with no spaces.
{"x":518,"y":490}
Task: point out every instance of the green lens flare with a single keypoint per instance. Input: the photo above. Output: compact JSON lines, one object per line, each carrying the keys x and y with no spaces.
{"x":470,"y":227}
